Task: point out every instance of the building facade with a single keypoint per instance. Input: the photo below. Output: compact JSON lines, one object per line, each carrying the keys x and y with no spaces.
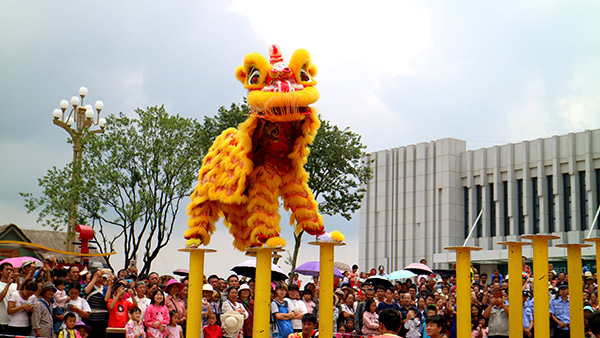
{"x":425,"y":197}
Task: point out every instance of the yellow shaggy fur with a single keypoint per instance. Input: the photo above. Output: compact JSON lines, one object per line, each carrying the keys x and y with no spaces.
{"x":245,"y":193}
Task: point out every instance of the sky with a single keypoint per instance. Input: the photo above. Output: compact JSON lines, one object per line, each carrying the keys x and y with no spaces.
{"x":396,"y":72}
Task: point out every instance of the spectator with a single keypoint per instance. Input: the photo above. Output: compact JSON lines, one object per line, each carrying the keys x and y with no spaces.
{"x":308,"y":300}
{"x":232,"y":305}
{"x":41,"y":313}
{"x":309,"y":325}
{"x":527,"y":317}
{"x":497,"y":315}
{"x":174,"y":301}
{"x":412,"y":323}
{"x":97,"y":296}
{"x":140,"y":296}
{"x":212,"y":330}
{"x":135,"y":326}
{"x":280,"y":310}
{"x":69,"y":331}
{"x":19,"y":308}
{"x":382,"y":272}
{"x":389,"y":323}
{"x":434,"y":326}
{"x":207,"y":307}
{"x":388,"y":302}
{"x":8,"y":285}
{"x":370,"y":319}
{"x":74,"y":275}
{"x":76,"y":305}
{"x":174,"y":330}
{"x":248,"y":303}
{"x":233,"y":281}
{"x":362,"y":307}
{"x":559,"y":312}
{"x":119,"y":306}
{"x":157,"y":318}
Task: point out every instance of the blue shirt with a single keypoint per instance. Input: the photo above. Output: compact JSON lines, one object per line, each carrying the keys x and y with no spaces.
{"x":529,"y":304}
{"x":560,"y":310}
{"x":527,"y":317}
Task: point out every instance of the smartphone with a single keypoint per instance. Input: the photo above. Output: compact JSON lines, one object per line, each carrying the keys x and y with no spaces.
{"x":132,"y":263}
{"x":497,"y":294}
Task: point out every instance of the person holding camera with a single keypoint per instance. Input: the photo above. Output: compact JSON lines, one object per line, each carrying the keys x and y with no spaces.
{"x":120,"y":304}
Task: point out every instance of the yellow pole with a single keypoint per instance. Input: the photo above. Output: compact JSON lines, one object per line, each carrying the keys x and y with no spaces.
{"x":262,"y":294}
{"x":463,"y":289}
{"x":515,"y":299}
{"x":541,"y":303}
{"x":196,"y":279}
{"x":597,"y":241}
{"x":326,"y":287}
{"x":575,"y":288}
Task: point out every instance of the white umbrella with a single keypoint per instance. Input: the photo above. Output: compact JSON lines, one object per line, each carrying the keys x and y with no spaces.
{"x":248,"y":268}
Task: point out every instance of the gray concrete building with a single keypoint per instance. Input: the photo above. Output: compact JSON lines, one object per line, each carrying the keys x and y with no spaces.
{"x":425,"y":197}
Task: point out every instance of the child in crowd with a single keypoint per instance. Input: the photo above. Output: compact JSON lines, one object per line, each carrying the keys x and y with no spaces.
{"x":69,"y":331}
{"x":212,"y":330}
{"x":83,"y":329}
{"x":135,"y":327}
{"x":412,"y":324}
{"x":174,"y":330}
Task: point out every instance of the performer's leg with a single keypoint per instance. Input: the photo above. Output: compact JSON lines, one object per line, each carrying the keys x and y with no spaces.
{"x":201,"y":223}
{"x":263,"y":208}
{"x":236,"y":219}
{"x":298,"y":197}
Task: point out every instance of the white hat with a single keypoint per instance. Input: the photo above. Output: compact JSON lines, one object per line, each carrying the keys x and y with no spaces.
{"x":244,"y":287}
{"x":208,"y":287}
{"x":232,"y":322}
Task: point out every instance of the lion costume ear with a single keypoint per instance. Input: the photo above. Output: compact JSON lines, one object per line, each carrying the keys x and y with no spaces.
{"x":240,"y":74}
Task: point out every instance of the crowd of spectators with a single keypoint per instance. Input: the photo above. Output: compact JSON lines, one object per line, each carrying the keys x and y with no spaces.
{"x":68,"y":303}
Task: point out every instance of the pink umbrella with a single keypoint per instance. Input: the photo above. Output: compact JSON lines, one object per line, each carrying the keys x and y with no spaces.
{"x":18,"y":261}
{"x":419,"y":269}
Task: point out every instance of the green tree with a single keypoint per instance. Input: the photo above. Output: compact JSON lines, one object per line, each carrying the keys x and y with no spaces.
{"x":335,"y":165}
{"x":134,"y":177}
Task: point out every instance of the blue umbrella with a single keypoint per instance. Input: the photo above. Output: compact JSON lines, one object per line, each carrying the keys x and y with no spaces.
{"x":313,"y":268}
{"x":401,"y":274}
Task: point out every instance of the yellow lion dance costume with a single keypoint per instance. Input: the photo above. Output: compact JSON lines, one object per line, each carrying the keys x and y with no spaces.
{"x":247,"y":169}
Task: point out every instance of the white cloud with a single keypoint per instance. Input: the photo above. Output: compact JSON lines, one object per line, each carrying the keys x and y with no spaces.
{"x":580,"y":107}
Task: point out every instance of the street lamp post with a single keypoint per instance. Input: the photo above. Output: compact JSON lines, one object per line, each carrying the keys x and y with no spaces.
{"x":77,"y":123}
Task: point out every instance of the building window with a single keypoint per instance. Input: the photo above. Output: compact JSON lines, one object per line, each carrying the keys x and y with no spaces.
{"x":492,"y":211}
{"x":479,"y":203}
{"x":567,"y":201}
{"x":521,"y":218}
{"x":551,"y":206}
{"x":583,"y":201}
{"x":536,"y":205}
{"x":505,"y":208}
{"x":466,"y":213}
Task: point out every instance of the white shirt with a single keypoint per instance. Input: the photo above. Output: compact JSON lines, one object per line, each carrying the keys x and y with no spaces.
{"x":21,"y":318}
{"x":143,"y":304}
{"x":299,"y":306}
{"x":81,"y":303}
{"x":4,"y":303}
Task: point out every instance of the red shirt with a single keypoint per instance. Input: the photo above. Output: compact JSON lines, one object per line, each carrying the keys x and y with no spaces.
{"x":118,"y":316}
{"x":212,"y":331}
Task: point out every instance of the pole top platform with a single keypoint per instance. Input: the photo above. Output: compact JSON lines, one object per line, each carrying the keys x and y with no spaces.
{"x":457,"y":248}
{"x":253,"y":251}
{"x":540,"y":236}
{"x":592,"y":239}
{"x":197,"y":250}
{"x":332,"y":243}
{"x":573,"y":245}
{"x":509,"y":243}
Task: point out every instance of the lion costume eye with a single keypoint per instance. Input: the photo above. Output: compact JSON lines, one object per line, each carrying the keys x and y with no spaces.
{"x":304,"y":76}
{"x":254,"y":76}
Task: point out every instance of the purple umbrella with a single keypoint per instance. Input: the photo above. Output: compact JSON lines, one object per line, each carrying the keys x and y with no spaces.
{"x":313,"y":268}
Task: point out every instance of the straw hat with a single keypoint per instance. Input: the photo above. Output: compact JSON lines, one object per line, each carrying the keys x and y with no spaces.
{"x":208,"y":287}
{"x":232,"y":322}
